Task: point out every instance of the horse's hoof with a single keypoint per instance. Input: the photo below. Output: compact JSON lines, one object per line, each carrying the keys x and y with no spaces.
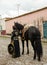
{"x":39,"y":60}
{"x":22,"y":53}
{"x":27,"y":52}
{"x":34,"y":58}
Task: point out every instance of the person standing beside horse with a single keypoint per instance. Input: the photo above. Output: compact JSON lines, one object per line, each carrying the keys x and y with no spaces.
{"x":15,"y":43}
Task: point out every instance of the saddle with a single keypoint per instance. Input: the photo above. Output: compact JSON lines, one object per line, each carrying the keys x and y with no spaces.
{"x":24,"y":30}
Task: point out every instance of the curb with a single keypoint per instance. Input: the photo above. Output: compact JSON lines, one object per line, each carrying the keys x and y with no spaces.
{"x":44,"y":40}
{"x":5,"y":36}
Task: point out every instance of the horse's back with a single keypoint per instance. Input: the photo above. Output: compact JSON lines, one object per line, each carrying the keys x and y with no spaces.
{"x":33,"y":29}
{"x":32,"y":32}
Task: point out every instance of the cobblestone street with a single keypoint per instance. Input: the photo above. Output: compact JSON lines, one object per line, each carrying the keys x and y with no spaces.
{"x":6,"y":59}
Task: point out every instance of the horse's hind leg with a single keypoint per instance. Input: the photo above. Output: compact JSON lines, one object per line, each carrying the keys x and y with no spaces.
{"x":34,"y":48}
{"x":39,"y":49}
{"x":27,"y":46}
{"x":22,"y":46}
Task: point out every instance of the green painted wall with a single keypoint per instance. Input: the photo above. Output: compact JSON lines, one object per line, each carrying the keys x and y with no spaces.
{"x":45,"y":29}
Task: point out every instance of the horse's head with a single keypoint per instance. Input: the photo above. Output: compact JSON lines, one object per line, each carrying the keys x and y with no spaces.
{"x":19,"y":26}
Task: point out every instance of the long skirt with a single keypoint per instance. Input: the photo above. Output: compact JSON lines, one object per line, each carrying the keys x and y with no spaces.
{"x":16,"y":48}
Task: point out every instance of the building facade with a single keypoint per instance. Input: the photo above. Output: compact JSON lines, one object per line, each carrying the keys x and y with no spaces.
{"x":36,"y":18}
{"x":2,"y":26}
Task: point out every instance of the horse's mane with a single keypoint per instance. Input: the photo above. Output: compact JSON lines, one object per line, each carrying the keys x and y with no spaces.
{"x":19,"y":26}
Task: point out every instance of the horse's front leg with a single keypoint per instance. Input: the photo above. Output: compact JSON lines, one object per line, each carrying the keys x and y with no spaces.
{"x":27,"y":46}
{"x":22,"y":46}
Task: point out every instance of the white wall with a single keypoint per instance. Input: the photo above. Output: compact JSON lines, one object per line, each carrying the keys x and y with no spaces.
{"x":2,"y":23}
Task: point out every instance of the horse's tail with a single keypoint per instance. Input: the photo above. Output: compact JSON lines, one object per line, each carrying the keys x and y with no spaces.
{"x":39,"y":47}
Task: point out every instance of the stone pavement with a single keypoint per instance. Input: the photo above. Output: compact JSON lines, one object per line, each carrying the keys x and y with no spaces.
{"x":6,"y":59}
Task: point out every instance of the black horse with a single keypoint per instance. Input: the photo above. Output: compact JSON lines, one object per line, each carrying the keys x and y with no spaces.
{"x":33,"y":34}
